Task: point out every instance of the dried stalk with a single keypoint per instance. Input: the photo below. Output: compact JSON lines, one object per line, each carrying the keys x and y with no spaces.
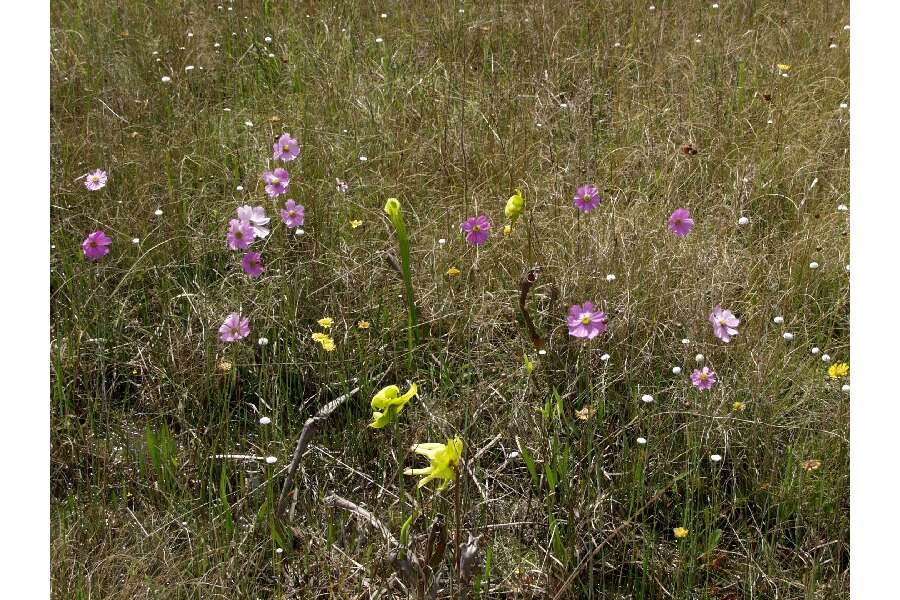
{"x":309,"y":430}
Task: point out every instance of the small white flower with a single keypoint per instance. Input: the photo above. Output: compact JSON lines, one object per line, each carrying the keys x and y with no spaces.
{"x":279,"y":550}
{"x":267,"y":39}
{"x":384,"y":15}
{"x":363,"y":158}
{"x":542,"y":352}
{"x":605,"y":358}
{"x":826,"y":358}
{"x":743,"y":221}
{"x":158,"y":212}
{"x":779,"y":320}
{"x":226,"y":109}
{"x":685,"y":341}
{"x":248,"y":123}
{"x":299,"y":231}
{"x":271,"y":460}
{"x":540,"y":125}
{"x":813,"y":265}
{"x":787,"y":335}
{"x":240,"y":188}
{"x":715,"y":457}
{"x":845,"y":388}
{"x":165,"y":79}
{"x":676,"y":370}
{"x":815,"y":350}
{"x":190,"y":34}
{"x":769,"y":122}
{"x":847,"y":268}
{"x":271,"y":55}
{"x":189,"y":68}
{"x":699,"y":358}
{"x":647,"y":398}
{"x":846,"y":28}
{"x":617,"y":45}
{"x":442,"y":241}
{"x":264,"y":420}
{"x":610,"y":277}
{"x":378,"y":40}
{"x":217,"y":45}
{"x":563,"y":105}
{"x":842,"y":207}
{"x":461,"y":11}
{"x":263,"y":341}
{"x":641,"y":441}
{"x":155,"y":52}
{"x":843,"y":105}
{"x":715,"y":5}
{"x":135,"y":240}
{"x":785,"y":75}
{"x":652,"y":8}
{"x":833,"y":46}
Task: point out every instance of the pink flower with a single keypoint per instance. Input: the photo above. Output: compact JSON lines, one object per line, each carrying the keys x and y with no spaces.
{"x":255,"y":217}
{"x":724,"y":323}
{"x":276,"y":182}
{"x":234,"y":328}
{"x":292,"y":214}
{"x":587,"y":198}
{"x":585,"y":322}
{"x":476,"y":229}
{"x":680,"y":222}
{"x":285,"y":148}
{"x":96,"y":180}
{"x":704,"y":379}
{"x":96,"y":245}
{"x":252,"y":264}
{"x":240,"y":234}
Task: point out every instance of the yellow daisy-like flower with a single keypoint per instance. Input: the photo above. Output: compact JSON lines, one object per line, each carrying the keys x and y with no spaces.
{"x":388,"y":403}
{"x":680,"y":532}
{"x":363,"y":324}
{"x":326,"y":322}
{"x":838,"y":370}
{"x":738,"y":406}
{"x":783,"y":67}
{"x":355,"y":223}
{"x":507,"y":229}
{"x":444,"y":459}
{"x":453,"y":272}
{"x":224,"y":366}
{"x":325,"y":341}
{"x":514,"y":206}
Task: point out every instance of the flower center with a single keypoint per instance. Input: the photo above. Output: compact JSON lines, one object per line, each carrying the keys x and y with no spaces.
{"x":275,"y":181}
{"x":235,"y":331}
{"x":586,"y":198}
{"x":585,"y":319}
{"x":93,"y":244}
{"x":95,"y":178}
{"x":292,"y":214}
{"x":704,"y":376}
{"x":722,"y":321}
{"x":285,"y":148}
{"x":476,"y":228}
{"x":238,"y":234}
{"x":678,"y":221}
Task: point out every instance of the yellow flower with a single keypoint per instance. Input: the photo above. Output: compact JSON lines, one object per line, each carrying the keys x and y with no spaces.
{"x":585,"y":413}
{"x":355,"y":223}
{"x":444,"y":459}
{"x":326,"y":322}
{"x":812,"y":464}
{"x":392,"y":208}
{"x":838,"y":370}
{"x":326,"y":342}
{"x":784,"y":67}
{"x":680,"y":532}
{"x":738,"y":406}
{"x":514,"y":206}
{"x":224,"y":366}
{"x":507,"y":229}
{"x":363,"y":324}
{"x":453,"y":272}
{"x":391,"y":403}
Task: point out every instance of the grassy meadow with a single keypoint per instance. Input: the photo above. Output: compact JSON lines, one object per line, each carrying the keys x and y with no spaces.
{"x":571,"y":484}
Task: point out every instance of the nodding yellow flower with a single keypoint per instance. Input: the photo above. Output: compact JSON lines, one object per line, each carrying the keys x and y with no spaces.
{"x":838,"y":370}
{"x":325,"y":341}
{"x":354,"y":223}
{"x":738,"y":406}
{"x":453,"y":272}
{"x":514,"y":206}
{"x":783,"y":67}
{"x":392,"y":209}
{"x":507,"y":229}
{"x":444,"y":459}
{"x":363,"y":324}
{"x":326,"y":322}
{"x":388,"y":403}
{"x":680,"y":532}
